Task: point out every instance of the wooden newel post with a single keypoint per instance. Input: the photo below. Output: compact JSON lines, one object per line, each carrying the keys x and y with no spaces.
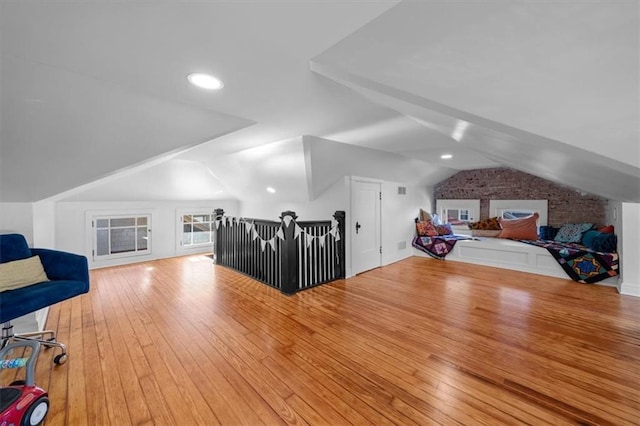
{"x":217,"y":236}
{"x":289,"y":254}
{"x":339,"y":216}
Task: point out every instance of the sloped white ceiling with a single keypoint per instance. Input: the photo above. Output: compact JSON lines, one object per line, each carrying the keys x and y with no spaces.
{"x":547,"y":88}
{"x":534,"y":154}
{"x":298,"y":169}
{"x":94,"y":95}
{"x":279,"y":165}
{"x":328,"y":161}
{"x":169,"y":180}
{"x":92,"y":89}
{"x":61,"y":130}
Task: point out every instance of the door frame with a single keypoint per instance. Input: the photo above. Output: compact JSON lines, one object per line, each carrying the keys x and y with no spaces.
{"x":352,"y":221}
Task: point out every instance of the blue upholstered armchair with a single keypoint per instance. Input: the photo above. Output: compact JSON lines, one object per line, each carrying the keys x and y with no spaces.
{"x":68,"y":276}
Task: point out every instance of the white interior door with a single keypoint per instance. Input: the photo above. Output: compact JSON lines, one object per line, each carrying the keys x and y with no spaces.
{"x":365,"y":226}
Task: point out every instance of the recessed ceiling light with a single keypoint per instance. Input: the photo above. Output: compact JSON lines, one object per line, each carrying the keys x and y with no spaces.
{"x":271,"y":190}
{"x":205,"y":81}
{"x":446,"y":156}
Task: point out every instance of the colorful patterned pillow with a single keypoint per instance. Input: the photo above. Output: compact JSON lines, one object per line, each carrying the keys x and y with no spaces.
{"x":492,"y":224}
{"x":426,"y":229}
{"x":520,"y":229}
{"x":444,"y":229}
{"x":572,"y":232}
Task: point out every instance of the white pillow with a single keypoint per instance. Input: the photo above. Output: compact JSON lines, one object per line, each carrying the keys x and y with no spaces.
{"x":21,"y":273}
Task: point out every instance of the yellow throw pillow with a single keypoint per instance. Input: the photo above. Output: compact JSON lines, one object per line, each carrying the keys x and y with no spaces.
{"x":21,"y":273}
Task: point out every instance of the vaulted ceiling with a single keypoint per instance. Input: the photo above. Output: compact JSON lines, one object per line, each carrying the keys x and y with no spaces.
{"x":95,"y":104}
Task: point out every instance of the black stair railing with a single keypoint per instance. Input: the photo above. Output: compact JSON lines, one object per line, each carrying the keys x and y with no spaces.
{"x":289,"y":255}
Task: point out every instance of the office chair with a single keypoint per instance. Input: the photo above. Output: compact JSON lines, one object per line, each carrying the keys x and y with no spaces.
{"x":68,"y":276}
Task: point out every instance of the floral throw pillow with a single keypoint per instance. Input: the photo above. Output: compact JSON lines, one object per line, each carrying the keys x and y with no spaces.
{"x":490,"y":224}
{"x":444,"y":229}
{"x":426,"y":229}
{"x":572,"y":232}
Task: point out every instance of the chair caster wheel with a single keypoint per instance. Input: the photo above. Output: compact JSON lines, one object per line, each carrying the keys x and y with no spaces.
{"x":51,"y":339}
{"x":60,"y":359}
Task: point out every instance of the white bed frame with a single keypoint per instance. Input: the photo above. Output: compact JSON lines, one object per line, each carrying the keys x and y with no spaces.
{"x":509,"y":254}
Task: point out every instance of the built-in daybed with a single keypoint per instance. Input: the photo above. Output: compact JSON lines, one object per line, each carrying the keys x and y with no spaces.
{"x":544,"y":257}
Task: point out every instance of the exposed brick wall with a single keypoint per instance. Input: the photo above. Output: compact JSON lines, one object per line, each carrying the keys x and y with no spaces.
{"x":566,"y":205}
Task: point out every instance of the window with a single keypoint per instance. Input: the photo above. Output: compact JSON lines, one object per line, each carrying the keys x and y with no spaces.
{"x":121,"y":236}
{"x":456,"y":216}
{"x":458,"y":212}
{"x":513,"y":214}
{"x":515,"y":209}
{"x":197,"y":229}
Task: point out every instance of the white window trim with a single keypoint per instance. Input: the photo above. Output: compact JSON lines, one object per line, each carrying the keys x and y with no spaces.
{"x":496,"y":207}
{"x":116,"y":260}
{"x":136,"y":253}
{"x":197,"y":248}
{"x":472,"y":205}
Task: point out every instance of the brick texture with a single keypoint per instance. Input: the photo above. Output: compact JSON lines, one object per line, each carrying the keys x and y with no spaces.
{"x":566,"y":205}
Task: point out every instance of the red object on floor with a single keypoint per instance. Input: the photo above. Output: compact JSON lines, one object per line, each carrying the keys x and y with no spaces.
{"x":22,"y":403}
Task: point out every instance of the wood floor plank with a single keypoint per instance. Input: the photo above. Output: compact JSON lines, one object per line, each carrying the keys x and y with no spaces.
{"x":181,"y":341}
{"x":178,"y":376}
{"x":108,"y":363}
{"x":58,"y":384}
{"x":172,"y":393}
{"x":77,"y":389}
{"x":214,"y":375}
{"x":97,"y":412}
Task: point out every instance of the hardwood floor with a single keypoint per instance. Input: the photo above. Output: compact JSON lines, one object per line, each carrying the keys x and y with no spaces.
{"x":182,"y":342}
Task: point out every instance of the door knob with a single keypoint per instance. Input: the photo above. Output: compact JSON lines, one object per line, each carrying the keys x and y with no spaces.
{"x":358,"y":226}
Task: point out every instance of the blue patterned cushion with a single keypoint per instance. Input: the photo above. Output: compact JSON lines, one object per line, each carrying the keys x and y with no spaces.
{"x":605,"y":243}
{"x":547,"y":232}
{"x":572,"y":232}
{"x":600,"y":242}
{"x":589,"y":236}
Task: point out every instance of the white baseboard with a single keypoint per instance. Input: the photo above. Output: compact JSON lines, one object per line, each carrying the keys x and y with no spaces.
{"x":630,"y":289}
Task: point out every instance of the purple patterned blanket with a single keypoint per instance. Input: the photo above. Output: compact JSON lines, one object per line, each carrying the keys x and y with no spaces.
{"x":437,"y":247}
{"x":579,"y":262}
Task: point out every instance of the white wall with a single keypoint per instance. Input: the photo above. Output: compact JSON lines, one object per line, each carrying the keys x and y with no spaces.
{"x":336,"y":197}
{"x":398,"y":214}
{"x":625,"y":217}
{"x":73,"y":225}
{"x":17,"y":218}
{"x":44,"y":224}
{"x":629,"y":248}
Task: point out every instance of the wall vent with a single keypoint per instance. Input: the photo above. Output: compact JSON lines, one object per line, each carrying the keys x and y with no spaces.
{"x":402,"y":190}
{"x":402,"y":245}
